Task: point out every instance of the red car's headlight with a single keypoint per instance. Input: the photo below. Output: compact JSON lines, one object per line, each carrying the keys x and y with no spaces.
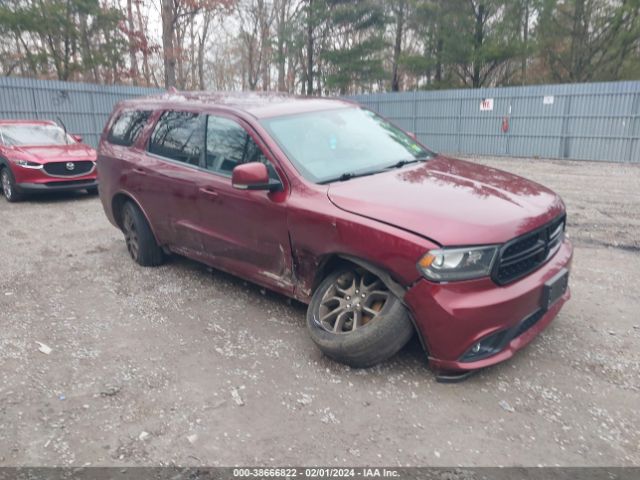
{"x":27,"y":164}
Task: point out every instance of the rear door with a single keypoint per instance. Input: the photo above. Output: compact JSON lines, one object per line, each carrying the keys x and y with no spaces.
{"x":169,"y":174}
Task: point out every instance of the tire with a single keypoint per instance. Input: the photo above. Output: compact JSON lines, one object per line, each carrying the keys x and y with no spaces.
{"x":8,"y":185}
{"x":139,"y":238}
{"x":92,"y":191}
{"x":372,"y":338}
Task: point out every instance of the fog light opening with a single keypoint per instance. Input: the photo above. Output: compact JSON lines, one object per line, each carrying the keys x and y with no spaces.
{"x":485,"y":348}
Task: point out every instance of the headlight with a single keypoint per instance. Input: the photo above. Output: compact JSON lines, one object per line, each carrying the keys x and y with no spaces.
{"x":27,"y":164}
{"x":449,"y":264}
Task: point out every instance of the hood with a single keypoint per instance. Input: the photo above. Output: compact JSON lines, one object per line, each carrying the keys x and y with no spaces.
{"x":451,"y":202}
{"x":57,"y":153}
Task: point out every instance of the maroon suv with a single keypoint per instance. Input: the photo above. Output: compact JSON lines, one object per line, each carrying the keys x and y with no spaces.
{"x":327,"y":202}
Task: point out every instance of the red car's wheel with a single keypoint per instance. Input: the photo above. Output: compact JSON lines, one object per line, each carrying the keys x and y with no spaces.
{"x":9,"y":188}
{"x":141,"y":243}
{"x":355,"y":319}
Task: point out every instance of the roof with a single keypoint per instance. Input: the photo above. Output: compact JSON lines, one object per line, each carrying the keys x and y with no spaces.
{"x":257,"y":104}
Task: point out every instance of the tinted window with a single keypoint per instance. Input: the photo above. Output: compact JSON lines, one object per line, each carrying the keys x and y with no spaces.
{"x":228,"y":145}
{"x":127,"y":127}
{"x":179,"y":136}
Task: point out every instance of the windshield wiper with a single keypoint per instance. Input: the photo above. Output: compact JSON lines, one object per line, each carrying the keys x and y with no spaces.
{"x":348,"y":176}
{"x":402,"y":163}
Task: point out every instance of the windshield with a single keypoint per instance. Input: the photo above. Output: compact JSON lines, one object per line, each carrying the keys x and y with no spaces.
{"x":340,"y":144}
{"x":33,"y":135}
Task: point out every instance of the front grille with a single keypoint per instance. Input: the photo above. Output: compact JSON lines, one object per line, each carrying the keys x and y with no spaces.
{"x":68,"y":169}
{"x":524,"y":254}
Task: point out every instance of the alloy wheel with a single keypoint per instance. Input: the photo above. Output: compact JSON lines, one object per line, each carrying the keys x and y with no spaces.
{"x":355,"y":299}
{"x":131,"y":234}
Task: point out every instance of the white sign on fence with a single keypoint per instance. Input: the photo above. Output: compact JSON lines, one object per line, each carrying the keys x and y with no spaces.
{"x":486,"y":105}
{"x":548,"y":100}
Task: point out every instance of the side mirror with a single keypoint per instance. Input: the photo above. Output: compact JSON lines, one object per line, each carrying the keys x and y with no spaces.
{"x":77,"y":138}
{"x":253,"y":176}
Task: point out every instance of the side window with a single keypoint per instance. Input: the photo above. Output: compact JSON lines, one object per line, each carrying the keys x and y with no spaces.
{"x":127,"y":127}
{"x":228,"y":145}
{"x":178,"y":136}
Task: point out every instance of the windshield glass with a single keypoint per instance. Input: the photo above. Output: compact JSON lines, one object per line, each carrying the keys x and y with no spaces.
{"x":33,"y":135}
{"x":338,"y":144}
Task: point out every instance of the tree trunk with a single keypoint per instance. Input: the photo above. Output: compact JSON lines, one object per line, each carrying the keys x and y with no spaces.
{"x":178,"y":43}
{"x":525,"y":40}
{"x":397,"y":47}
{"x":310,"y":49}
{"x":145,"y":48}
{"x":478,"y":39}
{"x":281,"y":28}
{"x":192,"y":54}
{"x":201,"y":46}
{"x":439,"y":47}
{"x":168,"y":50}
{"x":132,"y":44}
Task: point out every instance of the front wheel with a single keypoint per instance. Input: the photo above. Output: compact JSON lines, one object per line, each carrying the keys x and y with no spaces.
{"x":355,"y":319}
{"x":9,"y":188}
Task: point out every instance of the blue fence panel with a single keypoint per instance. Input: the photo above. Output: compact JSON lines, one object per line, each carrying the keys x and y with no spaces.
{"x":596,"y":121}
{"x":83,"y":108}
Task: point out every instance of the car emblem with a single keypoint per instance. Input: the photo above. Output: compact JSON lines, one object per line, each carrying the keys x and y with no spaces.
{"x":70,"y":166}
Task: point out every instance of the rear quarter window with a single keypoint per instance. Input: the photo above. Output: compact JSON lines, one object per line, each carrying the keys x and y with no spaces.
{"x":127,"y":127}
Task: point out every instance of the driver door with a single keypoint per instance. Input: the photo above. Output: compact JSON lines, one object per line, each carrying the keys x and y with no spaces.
{"x":243,"y":231}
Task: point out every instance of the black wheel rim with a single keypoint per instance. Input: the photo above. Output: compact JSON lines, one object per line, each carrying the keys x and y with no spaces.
{"x":354,"y":300}
{"x":131,"y":235}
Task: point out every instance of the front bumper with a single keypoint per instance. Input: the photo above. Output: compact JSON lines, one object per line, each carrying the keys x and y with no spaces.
{"x":36,"y":180}
{"x":60,"y":186}
{"x":452,"y":317}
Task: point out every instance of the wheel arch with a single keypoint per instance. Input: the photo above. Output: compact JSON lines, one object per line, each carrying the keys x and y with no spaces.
{"x":331,"y":262}
{"x":117,"y":204}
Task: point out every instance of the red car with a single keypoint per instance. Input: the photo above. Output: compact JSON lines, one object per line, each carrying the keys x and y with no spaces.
{"x":39,"y":156}
{"x":326,"y":202}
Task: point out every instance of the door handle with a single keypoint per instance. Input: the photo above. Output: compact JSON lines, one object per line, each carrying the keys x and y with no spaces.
{"x":207,"y":191}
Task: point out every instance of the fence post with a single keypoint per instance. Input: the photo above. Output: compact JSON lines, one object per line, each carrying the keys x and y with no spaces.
{"x":35,"y":102}
{"x":632,"y":128}
{"x":415,"y":114}
{"x":96,"y":127}
{"x":508,"y":132}
{"x":459,"y":140}
{"x":564,"y":140}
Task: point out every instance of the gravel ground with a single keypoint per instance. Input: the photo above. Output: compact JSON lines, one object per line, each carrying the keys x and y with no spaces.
{"x":189,"y":366}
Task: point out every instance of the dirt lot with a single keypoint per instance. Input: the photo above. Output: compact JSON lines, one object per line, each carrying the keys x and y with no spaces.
{"x":147,"y":364}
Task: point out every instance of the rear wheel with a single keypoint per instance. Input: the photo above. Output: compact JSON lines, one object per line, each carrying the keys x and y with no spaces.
{"x":141,"y":243}
{"x":9,"y":188}
{"x":355,"y":319}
